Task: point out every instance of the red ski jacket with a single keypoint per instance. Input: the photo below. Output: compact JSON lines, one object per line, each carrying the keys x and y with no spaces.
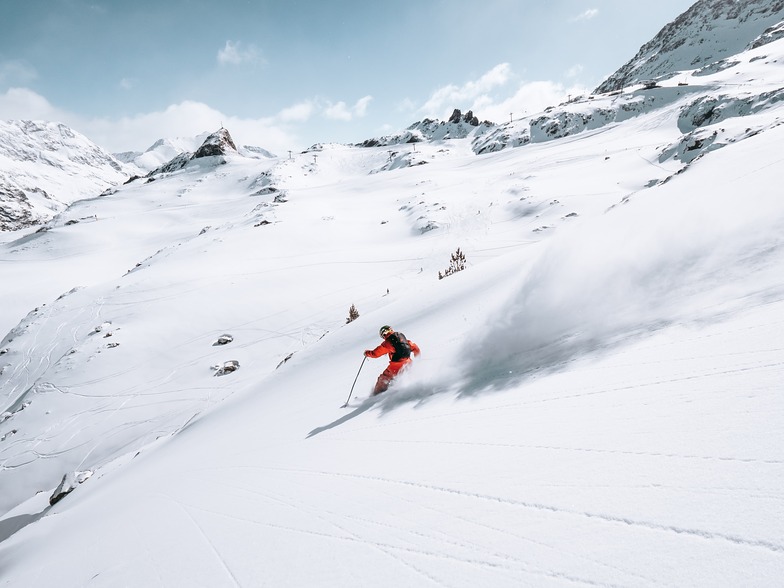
{"x":387,"y":348}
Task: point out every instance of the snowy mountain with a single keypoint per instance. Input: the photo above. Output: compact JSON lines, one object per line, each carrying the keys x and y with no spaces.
{"x":165,"y":150}
{"x":703,"y":37}
{"x":160,"y":152}
{"x":731,"y":89}
{"x":46,"y":166}
{"x":598,"y":399}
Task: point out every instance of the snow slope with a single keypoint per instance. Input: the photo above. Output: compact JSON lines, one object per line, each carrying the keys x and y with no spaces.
{"x":598,"y":401}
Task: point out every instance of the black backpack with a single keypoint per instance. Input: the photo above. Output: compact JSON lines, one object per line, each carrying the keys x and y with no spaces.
{"x":401,"y":345}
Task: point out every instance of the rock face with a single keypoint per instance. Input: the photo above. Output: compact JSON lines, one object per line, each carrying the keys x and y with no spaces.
{"x":44,"y":167}
{"x":219,"y":143}
{"x":68,"y":484}
{"x":457,"y":117}
{"x":706,"y":33}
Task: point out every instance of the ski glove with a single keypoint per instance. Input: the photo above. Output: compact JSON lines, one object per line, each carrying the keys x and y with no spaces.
{"x":368,"y":353}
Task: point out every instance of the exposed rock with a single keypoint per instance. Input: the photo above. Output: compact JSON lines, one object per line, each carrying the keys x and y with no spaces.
{"x":223,"y":340}
{"x":68,"y":484}
{"x":227,"y":367}
{"x":285,"y":359}
{"x":773,"y":33}
{"x":219,"y":143}
{"x":458,"y":117}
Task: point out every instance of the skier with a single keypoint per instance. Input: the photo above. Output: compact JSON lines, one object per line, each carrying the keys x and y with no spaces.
{"x":399,"y":350}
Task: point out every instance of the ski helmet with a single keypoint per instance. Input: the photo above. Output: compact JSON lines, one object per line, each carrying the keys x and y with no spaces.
{"x":385,"y":330}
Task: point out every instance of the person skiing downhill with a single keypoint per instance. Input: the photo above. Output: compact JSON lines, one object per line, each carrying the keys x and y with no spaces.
{"x":399,"y":350}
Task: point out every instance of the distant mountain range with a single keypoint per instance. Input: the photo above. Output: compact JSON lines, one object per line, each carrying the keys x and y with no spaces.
{"x":45,"y":166}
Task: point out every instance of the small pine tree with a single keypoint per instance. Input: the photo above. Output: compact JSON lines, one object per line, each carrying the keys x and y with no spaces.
{"x":353,"y":314}
{"x":456,"y":264}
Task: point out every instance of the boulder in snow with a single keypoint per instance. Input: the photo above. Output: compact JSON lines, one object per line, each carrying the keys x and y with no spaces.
{"x":227,"y":367}
{"x":69,"y":482}
{"x":223,"y":340}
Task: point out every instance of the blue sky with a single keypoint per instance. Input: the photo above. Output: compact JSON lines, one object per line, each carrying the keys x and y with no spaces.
{"x":285,"y":74}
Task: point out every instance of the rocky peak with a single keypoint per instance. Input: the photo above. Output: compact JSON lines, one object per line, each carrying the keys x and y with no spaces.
{"x":218,"y":143}
{"x":706,"y":33}
{"x":468,"y":117}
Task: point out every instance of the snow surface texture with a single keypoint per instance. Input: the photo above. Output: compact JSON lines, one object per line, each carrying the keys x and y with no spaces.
{"x":598,"y":401}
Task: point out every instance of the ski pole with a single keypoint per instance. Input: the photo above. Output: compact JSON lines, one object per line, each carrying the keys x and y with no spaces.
{"x":355,"y":382}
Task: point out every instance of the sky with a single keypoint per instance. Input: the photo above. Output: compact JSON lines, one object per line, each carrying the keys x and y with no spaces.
{"x":286,"y":74}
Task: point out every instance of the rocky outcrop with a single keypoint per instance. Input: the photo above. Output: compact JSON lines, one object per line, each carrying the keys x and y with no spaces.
{"x":219,"y":143}
{"x":457,"y":117}
{"x":458,"y":126}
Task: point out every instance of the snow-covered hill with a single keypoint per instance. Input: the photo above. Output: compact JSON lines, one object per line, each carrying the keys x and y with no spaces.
{"x":46,"y":166}
{"x":598,"y":401}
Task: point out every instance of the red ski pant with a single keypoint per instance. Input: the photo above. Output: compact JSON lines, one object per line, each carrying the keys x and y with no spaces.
{"x":386,"y":377}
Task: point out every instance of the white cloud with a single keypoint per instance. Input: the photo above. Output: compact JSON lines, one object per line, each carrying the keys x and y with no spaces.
{"x":21,"y":103}
{"x":452,"y":96}
{"x":406,"y":105}
{"x":574,"y":71}
{"x":341,"y":111}
{"x":529,"y":98}
{"x":186,"y":119}
{"x":360,"y":108}
{"x":497,"y":94}
{"x":138,"y":132}
{"x":277,"y":133}
{"x":235,"y":54}
{"x":587,"y":15}
{"x":337,"y":111}
{"x":16,"y":72}
{"x":127,"y":83}
{"x":298,"y":112}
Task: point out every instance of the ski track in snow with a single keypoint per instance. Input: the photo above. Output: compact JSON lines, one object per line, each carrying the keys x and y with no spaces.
{"x":396,"y":552}
{"x":209,"y":543}
{"x":608,"y":518}
{"x":677,"y":456}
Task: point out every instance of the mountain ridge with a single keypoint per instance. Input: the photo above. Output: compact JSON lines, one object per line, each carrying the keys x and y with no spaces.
{"x":707,"y":32}
{"x":44,"y":167}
